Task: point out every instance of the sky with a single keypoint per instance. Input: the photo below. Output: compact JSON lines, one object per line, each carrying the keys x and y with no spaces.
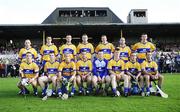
{"x":35,"y":11}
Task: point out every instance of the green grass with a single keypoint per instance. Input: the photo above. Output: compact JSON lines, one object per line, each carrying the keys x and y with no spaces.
{"x":11,"y":102}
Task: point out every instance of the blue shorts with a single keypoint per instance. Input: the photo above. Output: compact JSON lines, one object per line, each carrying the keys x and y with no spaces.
{"x":125,"y":61}
{"x":101,"y":75}
{"x":141,"y":60}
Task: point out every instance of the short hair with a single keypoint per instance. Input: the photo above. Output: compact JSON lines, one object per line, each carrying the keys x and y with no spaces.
{"x":117,"y":49}
{"x":84,"y":34}
{"x":134,"y":53}
{"x":51,"y":52}
{"x":48,"y":37}
{"x":103,"y":36}
{"x":144,"y":34}
{"x":68,"y":35}
{"x":122,"y":38}
{"x":28,"y":53}
{"x":148,"y":52}
{"x":83,"y":50}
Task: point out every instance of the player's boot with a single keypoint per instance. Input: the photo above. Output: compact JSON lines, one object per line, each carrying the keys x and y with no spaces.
{"x":53,"y":92}
{"x":126,"y":94}
{"x":142,"y":94}
{"x":72,"y":92}
{"x":158,"y":93}
{"x":118,"y":93}
{"x":147,"y":93}
{"x":27,"y":91}
{"x":35,"y":93}
{"x":59,"y":92}
{"x":87,"y":92}
{"x":80,"y":90}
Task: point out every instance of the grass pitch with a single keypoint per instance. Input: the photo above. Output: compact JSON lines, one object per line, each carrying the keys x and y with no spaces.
{"x":11,"y":102}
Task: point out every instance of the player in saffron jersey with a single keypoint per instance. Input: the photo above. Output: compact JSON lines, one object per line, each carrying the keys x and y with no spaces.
{"x":106,"y":47}
{"x":133,"y":69}
{"x":27,"y":48}
{"x":150,"y":72}
{"x":100,"y":73}
{"x":67,"y":72}
{"x":85,"y":46}
{"x":124,"y":50}
{"x":46,"y":49}
{"x":50,"y":75}
{"x":84,"y":73}
{"x":141,"y":48}
{"x":68,"y":48}
{"x":29,"y":72}
{"x":116,"y":70}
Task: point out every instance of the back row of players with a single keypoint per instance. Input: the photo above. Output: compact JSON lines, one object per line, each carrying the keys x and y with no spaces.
{"x":105,"y":70}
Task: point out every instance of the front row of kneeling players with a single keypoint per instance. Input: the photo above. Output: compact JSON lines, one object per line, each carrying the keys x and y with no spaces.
{"x":101,"y":76}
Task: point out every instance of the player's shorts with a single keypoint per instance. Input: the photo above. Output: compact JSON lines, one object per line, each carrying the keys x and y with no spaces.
{"x":125,"y":61}
{"x":140,"y":60}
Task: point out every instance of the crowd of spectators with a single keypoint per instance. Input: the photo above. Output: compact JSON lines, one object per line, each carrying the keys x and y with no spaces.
{"x":168,"y":62}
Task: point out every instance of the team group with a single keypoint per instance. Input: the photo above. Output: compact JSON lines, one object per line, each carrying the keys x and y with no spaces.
{"x":85,"y":70}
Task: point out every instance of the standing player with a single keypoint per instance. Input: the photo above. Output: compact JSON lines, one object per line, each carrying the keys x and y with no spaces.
{"x":46,"y":49}
{"x":50,"y":75}
{"x":85,"y":46}
{"x":84,"y":72}
{"x":150,"y":72}
{"x":116,"y":70}
{"x":29,"y":72}
{"x":133,"y":69}
{"x":100,"y":73}
{"x":67,"y":72}
{"x":68,"y":48}
{"x":106,"y":47}
{"x":124,"y":50}
{"x":143,"y":47}
{"x":27,"y":48}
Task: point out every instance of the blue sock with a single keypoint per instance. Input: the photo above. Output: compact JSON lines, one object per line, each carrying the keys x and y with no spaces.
{"x":142,"y":89}
{"x":129,"y":90}
{"x":125,"y":90}
{"x":73,"y":89}
{"x":80,"y":88}
{"x":150,"y":85}
{"x":147,"y":89}
{"x":64,"y":89}
{"x":44,"y":91}
{"x":46,"y":86}
{"x":114,"y":90}
{"x":59,"y":90}
{"x":35,"y":89}
{"x":97,"y":90}
{"x":25,"y":90}
{"x":54,"y":91}
{"x":90,"y":88}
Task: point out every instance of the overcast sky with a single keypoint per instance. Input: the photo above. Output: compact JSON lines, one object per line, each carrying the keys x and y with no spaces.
{"x":35,"y":11}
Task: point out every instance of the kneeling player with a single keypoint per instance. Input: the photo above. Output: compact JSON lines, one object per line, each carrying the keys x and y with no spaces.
{"x":67,"y":73}
{"x":133,"y":69}
{"x":116,"y":70}
{"x":150,"y":71}
{"x":51,"y":71}
{"x":84,"y":69}
{"x":29,"y":74}
{"x":100,"y":73}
